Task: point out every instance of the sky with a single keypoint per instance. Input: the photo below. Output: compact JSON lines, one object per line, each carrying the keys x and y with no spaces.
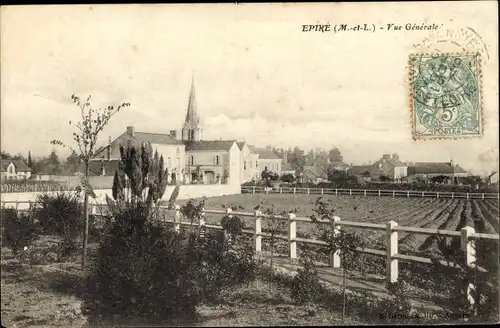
{"x":258,"y":77}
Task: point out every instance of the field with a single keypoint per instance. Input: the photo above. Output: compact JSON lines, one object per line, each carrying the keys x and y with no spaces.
{"x":441,"y":213}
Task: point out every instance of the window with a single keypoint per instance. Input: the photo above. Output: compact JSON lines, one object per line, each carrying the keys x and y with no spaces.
{"x":217,"y":160}
{"x":178,"y":151}
{"x":191,"y":160}
{"x":244,"y":165}
{"x":11,"y":169}
{"x":256,"y":164}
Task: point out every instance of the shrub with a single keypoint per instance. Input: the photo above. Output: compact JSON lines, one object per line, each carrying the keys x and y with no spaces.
{"x":146,"y":270}
{"x":305,"y":284}
{"x":398,"y":309}
{"x":60,"y":214}
{"x":232,"y":225}
{"x":18,"y":232}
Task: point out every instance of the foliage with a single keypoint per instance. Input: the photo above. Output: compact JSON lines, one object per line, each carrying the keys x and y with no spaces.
{"x":85,"y":136}
{"x":18,"y":232}
{"x":305,"y":285}
{"x":61,"y":214}
{"x":473,"y":292}
{"x":288,"y":178}
{"x":146,"y":270}
{"x":193,"y":211}
{"x":141,"y":177}
{"x":232,"y":225}
{"x":399,"y":309}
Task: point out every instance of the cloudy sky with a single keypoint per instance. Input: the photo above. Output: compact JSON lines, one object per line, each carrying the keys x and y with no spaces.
{"x":258,"y":77}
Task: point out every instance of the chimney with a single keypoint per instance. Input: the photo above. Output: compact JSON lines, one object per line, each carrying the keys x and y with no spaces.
{"x":109,"y":148}
{"x":451,"y":162}
{"x":395,"y":156}
{"x":130,"y":131}
{"x":173,"y":133}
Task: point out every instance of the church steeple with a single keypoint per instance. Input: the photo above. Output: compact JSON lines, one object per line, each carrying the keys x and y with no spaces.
{"x":192,"y":112}
{"x":192,"y":129}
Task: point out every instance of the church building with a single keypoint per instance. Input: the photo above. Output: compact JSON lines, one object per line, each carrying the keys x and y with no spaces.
{"x":188,"y":157}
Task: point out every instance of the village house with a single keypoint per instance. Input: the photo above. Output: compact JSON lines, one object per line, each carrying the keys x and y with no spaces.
{"x":14,"y":169}
{"x":387,"y":167}
{"x":426,"y":171}
{"x":266,"y":160}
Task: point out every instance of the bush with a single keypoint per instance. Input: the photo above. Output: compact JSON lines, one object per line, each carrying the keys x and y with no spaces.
{"x":146,"y":270}
{"x":60,"y":214}
{"x":305,"y":285}
{"x":18,"y":232}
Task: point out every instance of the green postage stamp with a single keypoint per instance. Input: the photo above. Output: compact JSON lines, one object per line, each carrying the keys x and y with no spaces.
{"x":446,"y":96}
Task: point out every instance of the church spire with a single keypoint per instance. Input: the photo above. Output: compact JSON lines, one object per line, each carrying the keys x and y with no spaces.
{"x":192,"y":112}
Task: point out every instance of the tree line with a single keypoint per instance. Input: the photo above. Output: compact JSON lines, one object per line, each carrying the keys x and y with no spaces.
{"x":298,"y":158}
{"x":50,"y":164}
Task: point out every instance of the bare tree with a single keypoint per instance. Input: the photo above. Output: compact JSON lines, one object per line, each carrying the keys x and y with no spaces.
{"x":87,"y":129}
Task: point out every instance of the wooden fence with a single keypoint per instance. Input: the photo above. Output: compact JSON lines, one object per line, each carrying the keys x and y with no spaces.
{"x":391,"y":253}
{"x":368,"y":192}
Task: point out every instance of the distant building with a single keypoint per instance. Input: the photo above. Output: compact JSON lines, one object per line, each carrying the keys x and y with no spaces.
{"x":313,"y":174}
{"x":266,"y":159}
{"x":14,"y":169}
{"x":389,"y":166}
{"x":428,"y":170}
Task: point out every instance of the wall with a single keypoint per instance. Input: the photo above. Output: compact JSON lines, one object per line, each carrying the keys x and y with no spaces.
{"x":246,"y":165}
{"x":170,"y":151}
{"x":185,"y":192}
{"x":234,"y":165}
{"x":273,"y":165}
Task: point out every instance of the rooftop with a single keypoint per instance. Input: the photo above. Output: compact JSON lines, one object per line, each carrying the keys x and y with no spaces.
{"x":264,"y":153}
{"x":20,"y":165}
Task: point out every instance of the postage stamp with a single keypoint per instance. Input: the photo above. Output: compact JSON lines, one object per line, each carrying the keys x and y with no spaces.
{"x":445,"y":96}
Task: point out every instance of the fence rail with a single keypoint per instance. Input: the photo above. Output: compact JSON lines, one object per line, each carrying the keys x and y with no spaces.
{"x":368,"y":192}
{"x":467,"y":235}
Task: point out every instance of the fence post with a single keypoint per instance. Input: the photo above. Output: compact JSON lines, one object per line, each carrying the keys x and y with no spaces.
{"x":393,"y":193}
{"x":322,"y":191}
{"x":467,"y":196}
{"x":335,"y":192}
{"x":29,"y":206}
{"x":408,"y":194}
{"x":281,"y":190}
{"x":258,"y":230}
{"x":423,"y":193}
{"x":379,"y":192}
{"x":391,"y":249}
{"x":308,"y":191}
{"x":253,"y":190}
{"x":227,"y":237}
{"x":201,"y":224}
{"x":350,"y":192}
{"x":335,"y":256}
{"x":469,"y":248}
{"x":292,"y":234}
{"x":267,"y":190}
{"x":468,"y":245}
{"x":177,"y":218}
{"x":452,"y":195}
{"x":482,"y":196}
{"x":364,"y":192}
{"x":17,"y":206}
{"x":294,"y":190}
{"x":437,"y":194}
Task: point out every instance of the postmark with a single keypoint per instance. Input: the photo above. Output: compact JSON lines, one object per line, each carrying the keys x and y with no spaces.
{"x":445,"y":96}
{"x":457,"y":40}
